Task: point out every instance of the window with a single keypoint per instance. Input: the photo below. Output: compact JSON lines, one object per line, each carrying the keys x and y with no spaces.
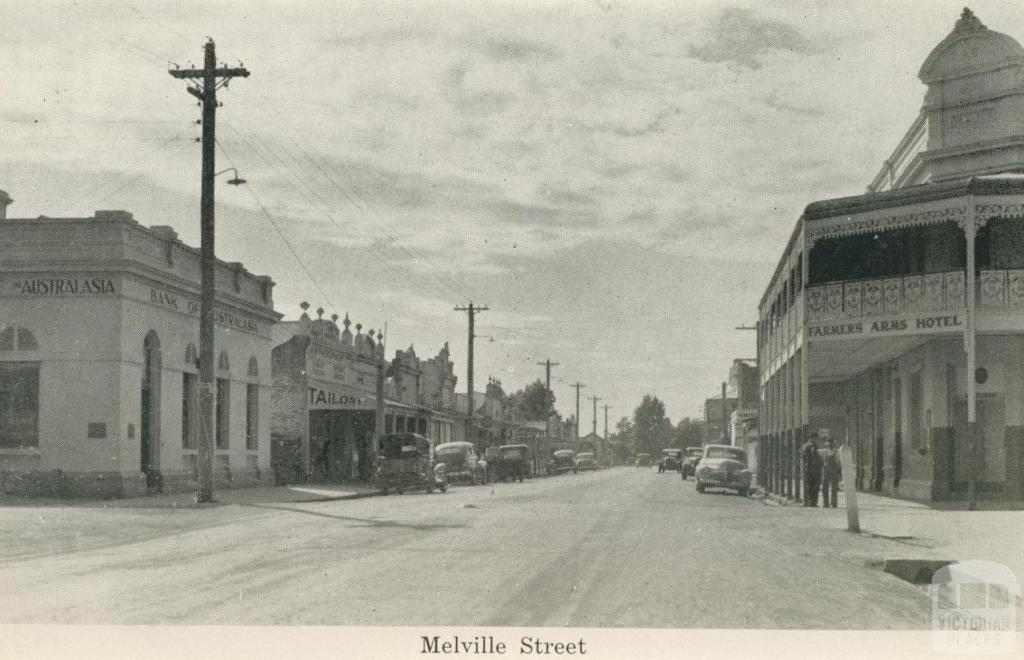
{"x":223,"y":413}
{"x":19,"y":404}
{"x":188,"y":407}
{"x":252,"y":429}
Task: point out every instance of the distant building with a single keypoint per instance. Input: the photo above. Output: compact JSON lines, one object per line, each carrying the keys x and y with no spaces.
{"x":895,"y":319}
{"x":716,"y":422}
{"x":99,"y":336}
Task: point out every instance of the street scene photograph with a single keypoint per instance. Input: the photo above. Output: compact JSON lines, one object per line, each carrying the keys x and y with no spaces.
{"x":485,"y":328}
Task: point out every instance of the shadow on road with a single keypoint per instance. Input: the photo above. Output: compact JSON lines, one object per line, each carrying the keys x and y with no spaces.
{"x":367,"y":522}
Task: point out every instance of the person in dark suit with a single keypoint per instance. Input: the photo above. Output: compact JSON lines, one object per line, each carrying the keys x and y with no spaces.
{"x":812,"y":465}
{"x":830,"y":473}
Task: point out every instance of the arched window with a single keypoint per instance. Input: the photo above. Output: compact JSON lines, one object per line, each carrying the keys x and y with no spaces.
{"x":252,"y":406}
{"x":223,"y":413}
{"x":189,"y":394}
{"x":18,"y":339}
{"x":19,"y":389}
{"x":149,"y":422}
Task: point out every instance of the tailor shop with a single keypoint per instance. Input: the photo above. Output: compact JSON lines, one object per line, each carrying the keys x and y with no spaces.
{"x":324,"y":420}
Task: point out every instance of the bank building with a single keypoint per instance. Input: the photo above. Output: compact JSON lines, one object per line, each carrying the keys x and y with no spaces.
{"x":894,"y":320}
{"x":99,"y":334}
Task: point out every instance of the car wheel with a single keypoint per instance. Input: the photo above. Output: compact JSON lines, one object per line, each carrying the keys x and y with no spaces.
{"x":700,"y":487}
{"x":743,"y":492}
{"x":684,"y":476}
{"x":444,"y":488}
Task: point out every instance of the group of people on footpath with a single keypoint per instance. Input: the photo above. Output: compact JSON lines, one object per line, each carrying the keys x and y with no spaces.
{"x":822,"y":471}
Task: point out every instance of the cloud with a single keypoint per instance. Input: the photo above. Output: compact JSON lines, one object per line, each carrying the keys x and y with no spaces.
{"x":738,"y":36}
{"x":519,"y":50}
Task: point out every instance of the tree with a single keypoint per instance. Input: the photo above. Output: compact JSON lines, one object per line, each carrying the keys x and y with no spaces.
{"x":533,"y":402}
{"x":688,"y":433}
{"x":652,"y":431}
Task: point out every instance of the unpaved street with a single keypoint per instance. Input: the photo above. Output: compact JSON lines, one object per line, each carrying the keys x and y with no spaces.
{"x":620,"y":547}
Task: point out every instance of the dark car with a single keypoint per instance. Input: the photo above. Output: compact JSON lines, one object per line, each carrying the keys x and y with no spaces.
{"x":460,"y":462}
{"x":586,"y":461}
{"x":511,"y":462}
{"x":562,"y":461}
{"x":689,"y":467}
{"x":670,"y":460}
{"x":724,"y":466}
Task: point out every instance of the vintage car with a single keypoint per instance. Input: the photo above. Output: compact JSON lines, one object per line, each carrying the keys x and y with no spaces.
{"x":406,"y":462}
{"x":643,"y":460}
{"x":562,"y":461}
{"x":723,"y":466}
{"x":511,"y":462}
{"x":689,"y":467}
{"x":586,"y":461}
{"x":670,"y":460}
{"x":460,"y":462}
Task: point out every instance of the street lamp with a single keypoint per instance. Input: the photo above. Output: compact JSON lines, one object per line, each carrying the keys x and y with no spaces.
{"x":237,"y":181}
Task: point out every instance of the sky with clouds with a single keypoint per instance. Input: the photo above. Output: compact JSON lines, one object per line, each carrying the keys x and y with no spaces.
{"x":615,"y":180}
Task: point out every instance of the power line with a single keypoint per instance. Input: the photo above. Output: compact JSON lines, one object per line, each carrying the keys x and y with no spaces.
{"x":284,"y":238}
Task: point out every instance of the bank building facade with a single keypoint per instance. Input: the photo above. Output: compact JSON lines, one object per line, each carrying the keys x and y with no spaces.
{"x":895,"y":319}
{"x":99,"y":337}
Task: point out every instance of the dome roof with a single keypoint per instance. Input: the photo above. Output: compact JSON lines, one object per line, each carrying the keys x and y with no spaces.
{"x":970,"y":48}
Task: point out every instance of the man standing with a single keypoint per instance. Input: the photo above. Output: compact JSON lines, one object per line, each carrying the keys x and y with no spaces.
{"x":830,"y":472}
{"x":812,"y":470}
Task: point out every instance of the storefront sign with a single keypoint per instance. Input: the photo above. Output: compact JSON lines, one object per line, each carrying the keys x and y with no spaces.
{"x":51,"y":286}
{"x":191,"y":307}
{"x":321,"y":398}
{"x":927,"y":324}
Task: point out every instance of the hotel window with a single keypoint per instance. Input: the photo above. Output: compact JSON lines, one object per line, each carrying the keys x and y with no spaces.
{"x":19,"y":391}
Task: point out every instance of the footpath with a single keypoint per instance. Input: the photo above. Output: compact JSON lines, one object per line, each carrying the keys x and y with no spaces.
{"x":923,"y":533}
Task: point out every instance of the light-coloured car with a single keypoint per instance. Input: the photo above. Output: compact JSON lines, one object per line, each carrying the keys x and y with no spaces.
{"x":723,"y":466}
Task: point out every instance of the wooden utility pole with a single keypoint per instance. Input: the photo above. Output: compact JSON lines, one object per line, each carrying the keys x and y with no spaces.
{"x":547,"y":364}
{"x":378,"y":416}
{"x":725,"y":417}
{"x":595,"y":399}
{"x":578,"y":385}
{"x":606,"y":457}
{"x":471,"y":311}
{"x":205,"y":83}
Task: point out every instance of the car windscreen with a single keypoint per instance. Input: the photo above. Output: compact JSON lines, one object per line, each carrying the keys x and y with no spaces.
{"x":511,"y":453}
{"x":585,"y":457}
{"x":725,"y":452}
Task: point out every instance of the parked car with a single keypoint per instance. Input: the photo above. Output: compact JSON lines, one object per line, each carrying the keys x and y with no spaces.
{"x":460,"y":462}
{"x":562,"y":461}
{"x":406,"y":463}
{"x":689,"y":467}
{"x":722,"y":466}
{"x":586,"y":461}
{"x":511,"y":462}
{"x":643,"y":460}
{"x":670,"y":460}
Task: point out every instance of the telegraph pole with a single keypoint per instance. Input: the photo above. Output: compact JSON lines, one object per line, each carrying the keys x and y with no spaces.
{"x":595,"y":399}
{"x":725,"y":418}
{"x":606,"y":407}
{"x":205,"y":83}
{"x":547,"y":364}
{"x":472,"y":312}
{"x":578,"y":385}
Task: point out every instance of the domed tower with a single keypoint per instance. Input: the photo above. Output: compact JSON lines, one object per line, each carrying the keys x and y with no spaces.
{"x":975,"y":102}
